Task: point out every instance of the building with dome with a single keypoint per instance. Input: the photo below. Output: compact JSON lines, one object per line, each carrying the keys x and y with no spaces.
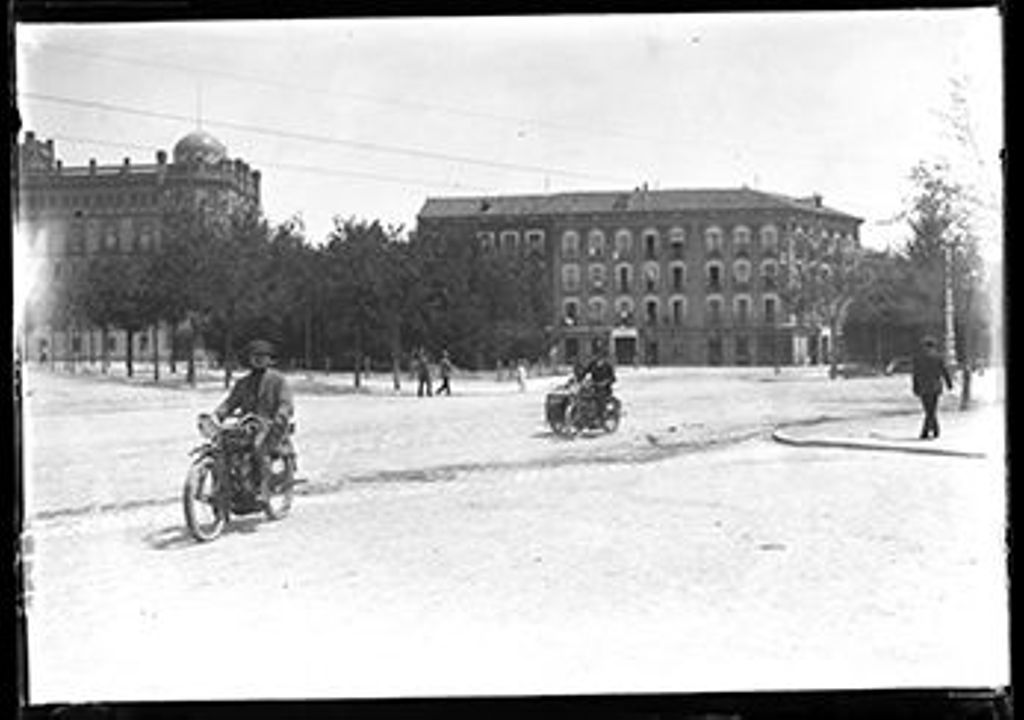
{"x":67,"y":214}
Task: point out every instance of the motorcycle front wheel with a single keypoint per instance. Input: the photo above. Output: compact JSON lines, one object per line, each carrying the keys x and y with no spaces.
{"x":204,"y":514}
{"x":282,"y":489}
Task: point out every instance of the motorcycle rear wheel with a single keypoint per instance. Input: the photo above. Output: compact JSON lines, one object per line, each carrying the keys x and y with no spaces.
{"x":204,"y":514}
{"x":282,"y":489}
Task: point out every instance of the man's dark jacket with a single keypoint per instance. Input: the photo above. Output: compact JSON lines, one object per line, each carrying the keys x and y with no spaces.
{"x":265,"y":394}
{"x":930,"y":373}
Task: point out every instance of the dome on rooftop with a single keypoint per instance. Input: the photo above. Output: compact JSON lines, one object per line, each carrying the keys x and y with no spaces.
{"x":199,"y":146}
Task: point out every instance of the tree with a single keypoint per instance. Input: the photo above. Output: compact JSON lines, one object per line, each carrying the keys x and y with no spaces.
{"x":229,"y":261}
{"x":116,"y":293}
{"x":825,"y":276}
{"x":369,"y":279}
{"x":943,"y":249}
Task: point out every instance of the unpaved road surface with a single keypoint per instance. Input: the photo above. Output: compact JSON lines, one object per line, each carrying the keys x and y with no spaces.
{"x":685,"y":553}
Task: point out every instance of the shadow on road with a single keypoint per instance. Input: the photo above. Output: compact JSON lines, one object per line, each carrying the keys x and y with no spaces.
{"x":177,"y":537}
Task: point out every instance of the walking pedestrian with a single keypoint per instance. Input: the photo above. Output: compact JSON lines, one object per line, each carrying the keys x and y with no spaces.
{"x":423,"y":375}
{"x":521,"y":374}
{"x":445,"y":369}
{"x":929,"y":375}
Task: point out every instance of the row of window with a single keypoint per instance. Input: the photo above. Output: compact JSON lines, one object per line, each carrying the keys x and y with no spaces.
{"x":511,"y":241}
{"x":91,"y":200}
{"x":714,"y":273}
{"x":91,"y":235}
{"x":622,"y":245}
{"x":597,"y":311}
{"x":596,"y":245}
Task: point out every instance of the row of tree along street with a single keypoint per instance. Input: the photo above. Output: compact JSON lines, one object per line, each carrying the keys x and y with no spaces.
{"x":372,"y":292}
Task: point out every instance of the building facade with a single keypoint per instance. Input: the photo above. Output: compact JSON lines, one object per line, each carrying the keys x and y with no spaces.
{"x":676,"y":277}
{"x":66,"y":215}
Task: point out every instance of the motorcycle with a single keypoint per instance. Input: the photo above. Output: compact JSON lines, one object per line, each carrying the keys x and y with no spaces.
{"x":224,"y":477}
{"x":573,"y":408}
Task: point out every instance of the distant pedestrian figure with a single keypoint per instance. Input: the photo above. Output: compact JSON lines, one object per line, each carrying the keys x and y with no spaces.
{"x":423,"y":375}
{"x":445,"y":368}
{"x":521,"y":375}
{"x":929,"y":374}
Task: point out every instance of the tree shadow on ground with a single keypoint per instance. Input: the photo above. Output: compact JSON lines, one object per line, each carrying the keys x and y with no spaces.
{"x":177,"y":537}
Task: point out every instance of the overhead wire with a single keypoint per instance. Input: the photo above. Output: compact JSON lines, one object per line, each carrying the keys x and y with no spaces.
{"x":314,"y":169}
{"x":316,"y":139}
{"x":361,"y":97}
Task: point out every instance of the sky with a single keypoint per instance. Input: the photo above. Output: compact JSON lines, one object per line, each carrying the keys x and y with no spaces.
{"x":367,"y":118}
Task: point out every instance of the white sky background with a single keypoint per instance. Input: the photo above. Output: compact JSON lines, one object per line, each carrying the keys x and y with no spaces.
{"x":370,"y":117}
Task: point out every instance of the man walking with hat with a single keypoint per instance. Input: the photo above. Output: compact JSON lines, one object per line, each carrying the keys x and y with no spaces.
{"x":263,"y":392}
{"x":930,"y":373}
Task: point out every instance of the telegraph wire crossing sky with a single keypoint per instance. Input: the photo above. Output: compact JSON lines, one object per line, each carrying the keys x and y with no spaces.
{"x":369,"y":117}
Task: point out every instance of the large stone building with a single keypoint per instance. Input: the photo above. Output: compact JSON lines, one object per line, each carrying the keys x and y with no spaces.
{"x":679,"y":277}
{"x":68,"y":214}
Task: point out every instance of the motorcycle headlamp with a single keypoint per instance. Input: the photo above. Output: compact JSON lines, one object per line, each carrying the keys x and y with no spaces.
{"x":207,"y":426}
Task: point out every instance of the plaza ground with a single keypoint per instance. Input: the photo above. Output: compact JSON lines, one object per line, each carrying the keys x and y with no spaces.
{"x":454,"y":546}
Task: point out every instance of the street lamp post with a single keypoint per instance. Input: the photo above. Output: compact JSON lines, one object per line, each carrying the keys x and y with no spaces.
{"x":949,"y":313}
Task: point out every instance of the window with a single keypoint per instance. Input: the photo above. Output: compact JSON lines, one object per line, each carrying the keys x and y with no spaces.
{"x":650,"y":244}
{"x":570,"y":244}
{"x":651,"y":276}
{"x":509,"y":241}
{"x":741,"y":271}
{"x":111,"y":342}
{"x":596,"y":274}
{"x":126,"y":233}
{"x":769,"y":273}
{"x":741,"y":309}
{"x":595,"y":244}
{"x":770,"y":309}
{"x":714,"y":273}
{"x":678,"y":271}
{"x":145,"y":237}
{"x":486,"y":240}
{"x":143,"y":342}
{"x":624,"y":311}
{"x":741,"y":239}
{"x":570,"y":278}
{"x":623,"y":243}
{"x":713,"y":240}
{"x":651,"y":311}
{"x":743,"y":350}
{"x":596,"y":309}
{"x":570,"y":310}
{"x":678,"y":310}
{"x":769,"y":239}
{"x":624,"y":275}
{"x":76,"y":243}
{"x":535,"y":240}
{"x":677,"y":241}
{"x":109,"y":239}
{"x":714,"y":311}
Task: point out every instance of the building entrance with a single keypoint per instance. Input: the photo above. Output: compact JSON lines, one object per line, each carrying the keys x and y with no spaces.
{"x":625,"y":350}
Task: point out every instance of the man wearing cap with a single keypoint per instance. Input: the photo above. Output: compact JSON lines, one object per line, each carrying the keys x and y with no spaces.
{"x":263,"y":392}
{"x":929,"y":374}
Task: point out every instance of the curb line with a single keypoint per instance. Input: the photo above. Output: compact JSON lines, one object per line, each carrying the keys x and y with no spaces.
{"x":853,"y":444}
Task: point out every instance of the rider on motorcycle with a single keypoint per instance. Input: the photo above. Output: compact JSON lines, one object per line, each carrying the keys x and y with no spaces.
{"x":263,"y":392}
{"x":602,"y":376}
